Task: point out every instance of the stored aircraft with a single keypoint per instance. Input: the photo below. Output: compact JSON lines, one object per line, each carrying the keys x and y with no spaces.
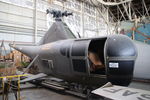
{"x":62,"y":55}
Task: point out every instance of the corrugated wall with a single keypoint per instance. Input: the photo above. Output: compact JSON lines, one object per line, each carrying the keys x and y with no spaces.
{"x":18,"y":21}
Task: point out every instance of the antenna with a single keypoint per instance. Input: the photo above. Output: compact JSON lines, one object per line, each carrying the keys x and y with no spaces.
{"x":57,"y":14}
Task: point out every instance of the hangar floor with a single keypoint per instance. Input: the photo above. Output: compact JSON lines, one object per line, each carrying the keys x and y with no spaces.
{"x":42,"y":94}
{"x":140,"y":85}
{"x":47,"y":94}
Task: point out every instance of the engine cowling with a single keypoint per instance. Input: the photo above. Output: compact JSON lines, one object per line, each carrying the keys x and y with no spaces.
{"x":120,"y":55}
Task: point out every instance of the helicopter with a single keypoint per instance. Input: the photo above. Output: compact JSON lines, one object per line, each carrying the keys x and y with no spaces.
{"x":61,"y":54}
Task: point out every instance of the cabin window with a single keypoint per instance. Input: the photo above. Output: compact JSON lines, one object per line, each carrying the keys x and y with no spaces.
{"x":65,"y":50}
{"x":79,"y":65}
{"x":48,"y":64}
{"x":79,"y":48}
{"x":45,"y":63}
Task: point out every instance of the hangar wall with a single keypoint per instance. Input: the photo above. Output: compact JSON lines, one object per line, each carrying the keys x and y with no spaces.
{"x":17,"y":21}
{"x":25,"y":21}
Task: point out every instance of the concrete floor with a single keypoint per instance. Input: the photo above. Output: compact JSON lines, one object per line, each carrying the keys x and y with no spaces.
{"x":42,"y":94}
{"x":140,"y":85}
{"x":46,"y":94}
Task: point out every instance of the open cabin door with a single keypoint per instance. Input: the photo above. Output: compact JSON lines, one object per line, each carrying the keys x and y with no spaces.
{"x":79,"y":57}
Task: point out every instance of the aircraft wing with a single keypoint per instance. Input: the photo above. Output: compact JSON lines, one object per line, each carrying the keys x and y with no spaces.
{"x":115,"y":92}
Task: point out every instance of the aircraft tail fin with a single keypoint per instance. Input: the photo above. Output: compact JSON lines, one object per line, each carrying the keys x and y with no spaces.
{"x":58,"y":31}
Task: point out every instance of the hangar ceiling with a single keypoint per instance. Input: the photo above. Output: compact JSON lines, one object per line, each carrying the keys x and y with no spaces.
{"x":139,"y":8}
{"x":124,"y":11}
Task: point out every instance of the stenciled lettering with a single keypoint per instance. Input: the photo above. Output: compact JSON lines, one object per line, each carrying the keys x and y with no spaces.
{"x":147,"y":96}
{"x":113,"y":90}
{"x":139,"y":98}
{"x":144,"y":97}
{"x":127,"y":93}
